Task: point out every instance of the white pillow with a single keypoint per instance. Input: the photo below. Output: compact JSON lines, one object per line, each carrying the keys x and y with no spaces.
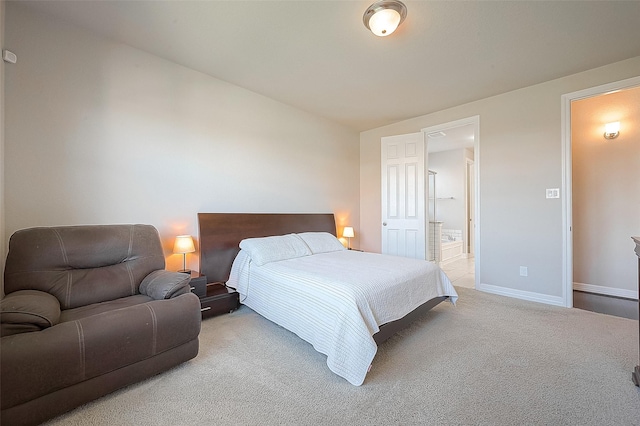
{"x":321,"y":242}
{"x":272,"y":249}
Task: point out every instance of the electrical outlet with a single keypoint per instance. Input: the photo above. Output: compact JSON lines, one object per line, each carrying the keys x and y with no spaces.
{"x":553,"y":192}
{"x":524,"y":271}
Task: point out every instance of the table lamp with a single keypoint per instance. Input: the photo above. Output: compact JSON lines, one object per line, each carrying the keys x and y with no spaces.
{"x":184,"y":245}
{"x":347,"y":233}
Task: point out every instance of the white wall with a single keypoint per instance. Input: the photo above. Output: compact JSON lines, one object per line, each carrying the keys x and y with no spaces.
{"x":606,"y":193}
{"x":99,"y":132}
{"x":520,"y":155}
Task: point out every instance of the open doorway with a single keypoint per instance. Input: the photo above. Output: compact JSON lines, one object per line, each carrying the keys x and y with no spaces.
{"x":600,"y":190}
{"x":452,"y":151}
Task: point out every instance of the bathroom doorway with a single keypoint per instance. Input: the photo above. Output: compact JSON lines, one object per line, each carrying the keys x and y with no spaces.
{"x":452,"y":206}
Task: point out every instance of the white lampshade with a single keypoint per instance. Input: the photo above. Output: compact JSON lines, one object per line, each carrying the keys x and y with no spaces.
{"x":184,"y":244}
{"x":384,"y":22}
{"x":348,"y":232}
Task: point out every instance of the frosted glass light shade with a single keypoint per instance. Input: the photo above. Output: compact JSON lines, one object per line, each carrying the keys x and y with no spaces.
{"x":384,"y":22}
{"x":611,"y":130}
{"x":383,"y":17}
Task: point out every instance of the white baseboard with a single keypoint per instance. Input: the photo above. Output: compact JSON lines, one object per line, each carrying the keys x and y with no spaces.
{"x":607,"y":291}
{"x":524,"y":295}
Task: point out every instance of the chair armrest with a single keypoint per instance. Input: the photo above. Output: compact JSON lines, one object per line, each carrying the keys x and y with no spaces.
{"x":28,"y":310}
{"x":163,"y":284}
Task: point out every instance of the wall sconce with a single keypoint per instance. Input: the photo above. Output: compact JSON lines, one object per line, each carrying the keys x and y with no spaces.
{"x":383,"y":17}
{"x":184,"y":245}
{"x":348,"y":233}
{"x":612,"y":130}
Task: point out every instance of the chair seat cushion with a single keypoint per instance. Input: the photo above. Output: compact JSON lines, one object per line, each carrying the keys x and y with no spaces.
{"x":89,"y":346}
{"x":98,"y":308}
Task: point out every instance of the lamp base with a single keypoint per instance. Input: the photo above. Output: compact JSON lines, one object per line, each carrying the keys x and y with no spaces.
{"x":185,"y":271}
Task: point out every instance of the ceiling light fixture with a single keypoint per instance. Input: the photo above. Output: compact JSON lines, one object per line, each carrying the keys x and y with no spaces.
{"x":383,"y":17}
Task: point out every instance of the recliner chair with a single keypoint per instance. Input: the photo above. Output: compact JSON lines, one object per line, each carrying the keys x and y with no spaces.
{"x":88,"y":310}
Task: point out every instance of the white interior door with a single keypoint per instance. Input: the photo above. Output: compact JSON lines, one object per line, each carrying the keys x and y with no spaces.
{"x":403,"y":195}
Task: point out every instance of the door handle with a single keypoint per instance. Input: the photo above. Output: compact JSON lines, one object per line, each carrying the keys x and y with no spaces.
{"x":384,"y":223}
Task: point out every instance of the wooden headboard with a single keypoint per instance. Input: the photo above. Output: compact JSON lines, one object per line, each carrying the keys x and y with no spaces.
{"x":221,"y":233}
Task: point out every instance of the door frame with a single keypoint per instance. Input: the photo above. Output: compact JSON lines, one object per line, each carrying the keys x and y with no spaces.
{"x":468,"y":248}
{"x":475,"y":122}
{"x":567,"y":184}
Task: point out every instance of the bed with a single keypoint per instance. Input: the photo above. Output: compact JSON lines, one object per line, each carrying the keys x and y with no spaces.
{"x":343,"y":302}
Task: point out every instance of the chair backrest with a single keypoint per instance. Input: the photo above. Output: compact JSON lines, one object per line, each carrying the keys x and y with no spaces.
{"x":81,"y":265}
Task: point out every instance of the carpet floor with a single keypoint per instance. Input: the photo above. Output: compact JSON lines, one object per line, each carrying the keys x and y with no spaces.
{"x":490,"y":360}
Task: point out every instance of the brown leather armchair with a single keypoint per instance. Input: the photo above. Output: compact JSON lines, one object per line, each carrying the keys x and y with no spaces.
{"x":88,"y":310}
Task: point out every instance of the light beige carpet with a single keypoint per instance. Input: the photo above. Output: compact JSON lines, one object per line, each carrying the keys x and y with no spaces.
{"x":490,"y":360}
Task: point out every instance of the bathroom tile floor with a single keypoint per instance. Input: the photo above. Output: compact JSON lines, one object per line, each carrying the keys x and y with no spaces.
{"x":461,"y":272}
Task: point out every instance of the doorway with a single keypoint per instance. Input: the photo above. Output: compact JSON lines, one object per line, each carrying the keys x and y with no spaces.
{"x":452,"y":150}
{"x":405,"y":171}
{"x":569,"y":196}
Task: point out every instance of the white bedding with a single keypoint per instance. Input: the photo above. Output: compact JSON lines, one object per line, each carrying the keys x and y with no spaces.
{"x":337,"y":300}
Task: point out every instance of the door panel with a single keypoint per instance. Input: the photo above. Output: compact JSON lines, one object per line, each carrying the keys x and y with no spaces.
{"x":404,"y":195}
{"x":393,"y":191}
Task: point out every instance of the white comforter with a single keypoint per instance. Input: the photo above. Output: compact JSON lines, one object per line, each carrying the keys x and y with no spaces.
{"x":336,"y":301}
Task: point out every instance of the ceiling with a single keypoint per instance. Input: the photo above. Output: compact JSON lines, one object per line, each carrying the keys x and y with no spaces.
{"x":319,"y":57}
{"x":451,"y":138}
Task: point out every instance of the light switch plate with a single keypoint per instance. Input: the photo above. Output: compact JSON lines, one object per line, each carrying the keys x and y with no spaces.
{"x":553,"y":192}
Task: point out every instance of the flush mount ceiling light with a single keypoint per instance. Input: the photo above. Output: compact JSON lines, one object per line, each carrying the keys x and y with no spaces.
{"x":383,"y":17}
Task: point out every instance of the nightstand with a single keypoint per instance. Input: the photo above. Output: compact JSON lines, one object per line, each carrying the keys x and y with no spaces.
{"x":198,"y":284}
{"x":219,"y":300}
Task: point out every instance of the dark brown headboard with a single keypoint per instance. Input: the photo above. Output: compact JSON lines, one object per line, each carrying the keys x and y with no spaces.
{"x":220,"y":234}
